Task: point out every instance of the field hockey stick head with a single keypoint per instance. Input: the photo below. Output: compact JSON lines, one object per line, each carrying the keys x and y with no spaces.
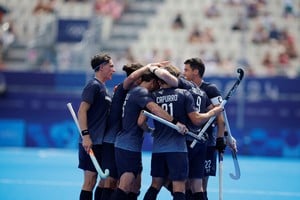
{"x":240,"y":71}
{"x":237,"y":170}
{"x":105,"y":175}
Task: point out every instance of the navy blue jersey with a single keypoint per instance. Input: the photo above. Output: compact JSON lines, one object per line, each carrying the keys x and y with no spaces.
{"x":131,"y":136}
{"x":95,"y":93}
{"x":216,"y":98}
{"x":178,"y":103}
{"x":114,"y":122}
{"x":202,"y":102}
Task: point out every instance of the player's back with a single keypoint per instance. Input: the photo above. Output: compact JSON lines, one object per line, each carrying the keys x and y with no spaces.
{"x":177,"y":102}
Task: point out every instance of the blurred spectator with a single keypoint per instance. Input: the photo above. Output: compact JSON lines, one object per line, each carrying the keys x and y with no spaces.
{"x":288,"y":41}
{"x":195,"y":35}
{"x":109,"y":11}
{"x":274,"y":32}
{"x":212,"y":10}
{"x":283,"y":62}
{"x":227,"y":65}
{"x":7,"y":37}
{"x":288,"y":8}
{"x":239,"y":24}
{"x":178,"y":22}
{"x":260,"y":35}
{"x":112,"y":8}
{"x":233,"y":2}
{"x":252,"y":9}
{"x":266,"y":19}
{"x":269,"y":63}
{"x":208,"y":36}
{"x":42,"y":6}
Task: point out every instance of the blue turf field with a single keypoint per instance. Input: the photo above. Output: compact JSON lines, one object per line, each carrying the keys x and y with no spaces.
{"x":31,"y":174}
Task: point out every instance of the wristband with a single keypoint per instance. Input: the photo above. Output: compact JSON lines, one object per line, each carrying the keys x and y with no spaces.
{"x":85,"y":132}
{"x":174,"y":121}
{"x":153,"y":69}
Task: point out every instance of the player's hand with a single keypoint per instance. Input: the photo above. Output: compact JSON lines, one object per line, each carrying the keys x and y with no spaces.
{"x":220,"y":144}
{"x":87,"y":143}
{"x":153,"y":66}
{"x":231,"y":141}
{"x":163,"y":63}
{"x":218,"y":109}
{"x":182,"y":128}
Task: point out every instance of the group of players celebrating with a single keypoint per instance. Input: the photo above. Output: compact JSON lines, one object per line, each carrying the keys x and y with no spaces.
{"x":114,"y":127}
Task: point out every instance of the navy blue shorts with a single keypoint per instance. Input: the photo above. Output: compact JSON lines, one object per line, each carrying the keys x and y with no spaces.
{"x":197,"y":157}
{"x":108,"y":159}
{"x":210,"y":165}
{"x":128,"y":161}
{"x":172,"y":165}
{"x":85,"y":162}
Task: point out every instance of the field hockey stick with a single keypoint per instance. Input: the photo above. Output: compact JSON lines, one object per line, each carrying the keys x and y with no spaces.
{"x":171,"y":125}
{"x":102,"y":174}
{"x":220,"y":175}
{"x":237,"y":170}
{"x":240,"y":71}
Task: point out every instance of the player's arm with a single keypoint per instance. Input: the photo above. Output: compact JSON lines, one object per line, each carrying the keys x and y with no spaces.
{"x":200,"y":118}
{"x":142,"y":122}
{"x":164,"y":75}
{"x":220,"y":122}
{"x":82,"y":120}
{"x":134,"y":76}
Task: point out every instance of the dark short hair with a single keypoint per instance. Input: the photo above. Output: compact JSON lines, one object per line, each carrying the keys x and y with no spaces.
{"x":196,"y":63}
{"x":129,"y":68}
{"x":98,"y":60}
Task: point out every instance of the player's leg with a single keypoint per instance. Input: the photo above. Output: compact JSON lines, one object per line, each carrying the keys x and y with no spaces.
{"x":135,"y":187}
{"x":178,"y":190}
{"x":89,"y":183}
{"x":108,"y":162}
{"x":98,"y":149}
{"x":89,"y":174}
{"x":210,"y":167}
{"x":178,"y":173}
{"x":158,"y":172}
{"x":129,"y":165}
{"x":204,"y":184}
{"x":197,"y":156}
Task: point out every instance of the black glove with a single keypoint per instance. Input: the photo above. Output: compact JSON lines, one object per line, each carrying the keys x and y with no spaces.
{"x":220,"y":144}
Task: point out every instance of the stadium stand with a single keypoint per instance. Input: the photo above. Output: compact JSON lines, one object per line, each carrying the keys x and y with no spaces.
{"x":143,"y":29}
